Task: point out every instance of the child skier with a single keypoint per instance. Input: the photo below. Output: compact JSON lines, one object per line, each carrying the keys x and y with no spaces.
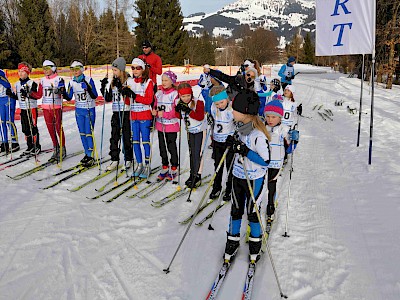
{"x":7,"y":114}
{"x":28,"y":106}
{"x":139,"y":93}
{"x":82,"y":88}
{"x":289,"y":110}
{"x":120,"y":124}
{"x":289,"y":107}
{"x":268,"y":94}
{"x":50,"y":90}
{"x":167,"y":124}
{"x":273,"y":113}
{"x":252,"y":154}
{"x":223,"y":126}
{"x":206,"y":84}
{"x":192,"y":111}
{"x":286,"y":72}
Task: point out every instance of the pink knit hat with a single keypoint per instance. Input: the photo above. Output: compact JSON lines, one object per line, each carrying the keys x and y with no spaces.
{"x":171,"y":75}
{"x":275,"y":108}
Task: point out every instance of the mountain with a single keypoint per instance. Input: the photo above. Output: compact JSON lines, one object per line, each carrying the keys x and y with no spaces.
{"x":284,"y":17}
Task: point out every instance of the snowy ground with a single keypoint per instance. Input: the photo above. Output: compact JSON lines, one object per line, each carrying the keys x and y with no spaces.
{"x":343,"y":216}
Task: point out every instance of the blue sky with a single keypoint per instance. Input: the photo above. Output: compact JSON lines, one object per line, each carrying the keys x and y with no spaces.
{"x":207,"y":6}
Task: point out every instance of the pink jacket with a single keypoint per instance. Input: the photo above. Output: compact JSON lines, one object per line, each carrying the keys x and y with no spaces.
{"x":166,"y":100}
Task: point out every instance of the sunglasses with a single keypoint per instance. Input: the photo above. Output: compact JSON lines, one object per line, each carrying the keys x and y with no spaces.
{"x":137,"y":68}
{"x":46,"y":68}
{"x":75,"y":68}
{"x":249,"y":75}
{"x":245,"y":66}
{"x":144,"y":47}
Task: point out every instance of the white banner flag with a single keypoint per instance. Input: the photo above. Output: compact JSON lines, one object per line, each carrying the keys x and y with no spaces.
{"x":345,"y":27}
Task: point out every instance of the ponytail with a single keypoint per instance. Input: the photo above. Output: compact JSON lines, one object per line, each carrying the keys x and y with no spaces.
{"x":259,"y":125}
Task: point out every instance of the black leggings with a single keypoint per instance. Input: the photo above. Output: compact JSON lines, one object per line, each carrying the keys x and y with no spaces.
{"x":170,"y":138}
{"x":271,"y":190}
{"x":116,"y":136}
{"x":195,"y":141}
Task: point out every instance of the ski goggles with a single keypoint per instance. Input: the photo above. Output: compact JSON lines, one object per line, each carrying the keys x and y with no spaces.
{"x":46,"y":68}
{"x":77,"y":68}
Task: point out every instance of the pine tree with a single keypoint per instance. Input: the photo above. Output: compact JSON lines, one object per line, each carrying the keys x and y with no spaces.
{"x":309,"y":50}
{"x":35,"y":35}
{"x":160,"y":22}
{"x":201,"y":50}
{"x":4,"y":51}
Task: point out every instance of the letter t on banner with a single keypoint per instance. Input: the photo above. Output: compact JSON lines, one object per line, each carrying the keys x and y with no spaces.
{"x":345,"y":27}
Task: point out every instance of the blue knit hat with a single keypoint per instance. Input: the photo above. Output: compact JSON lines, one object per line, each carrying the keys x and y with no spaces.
{"x":275,"y":108}
{"x":291,"y":59}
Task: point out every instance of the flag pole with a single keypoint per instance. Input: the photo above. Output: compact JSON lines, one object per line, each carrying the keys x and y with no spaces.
{"x":361,"y":95}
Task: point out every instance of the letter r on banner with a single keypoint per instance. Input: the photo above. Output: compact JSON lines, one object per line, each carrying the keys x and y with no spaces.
{"x":343,"y":5}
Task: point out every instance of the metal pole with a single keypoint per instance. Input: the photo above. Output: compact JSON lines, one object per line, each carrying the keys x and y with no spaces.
{"x":371,"y":126}
{"x":361,"y":95}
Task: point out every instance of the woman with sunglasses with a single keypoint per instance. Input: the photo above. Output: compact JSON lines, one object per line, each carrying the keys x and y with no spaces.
{"x":139,"y":91}
{"x":50,"y":88}
{"x":236,"y":83}
{"x":82,"y":88}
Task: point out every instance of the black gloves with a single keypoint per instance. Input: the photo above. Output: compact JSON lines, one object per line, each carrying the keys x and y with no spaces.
{"x":34,"y":87}
{"x":104,"y":83}
{"x":292,"y":77}
{"x":182,"y":107}
{"x":210,"y":119}
{"x":24,"y":93}
{"x":9,"y":92}
{"x":202,"y":86}
{"x":127,"y":92}
{"x":237,"y":146}
{"x":117,"y":83}
{"x":287,"y":78}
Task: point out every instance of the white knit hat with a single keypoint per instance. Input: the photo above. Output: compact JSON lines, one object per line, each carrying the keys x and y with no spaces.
{"x":51,"y":64}
{"x":77,"y":63}
{"x":139,"y":62}
{"x":290,"y":88}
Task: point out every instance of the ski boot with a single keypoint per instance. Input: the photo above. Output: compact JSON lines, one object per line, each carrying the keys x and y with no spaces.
{"x":172,"y":174}
{"x":215,"y":193}
{"x":127,"y":165}
{"x":255,"y":248}
{"x":188,"y":182}
{"x":231,"y":247}
{"x":89,"y":162}
{"x":197,"y":181}
{"x":145,"y":172}
{"x":113,"y":165}
{"x":56,"y":155}
{"x":163,"y":173}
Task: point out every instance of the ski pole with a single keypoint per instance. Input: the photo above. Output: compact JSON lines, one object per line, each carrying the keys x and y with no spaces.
{"x":9,"y":128}
{"x":30,"y":121}
{"x":102,"y":135}
{"x":96,"y":154}
{"x":121,"y":133}
{"x":179,"y":162}
{"x":289,"y":194}
{"x":220,"y":197}
{"x":197,"y":209}
{"x":200,"y":159}
{"x":2,"y":134}
{"x":264,"y":234}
